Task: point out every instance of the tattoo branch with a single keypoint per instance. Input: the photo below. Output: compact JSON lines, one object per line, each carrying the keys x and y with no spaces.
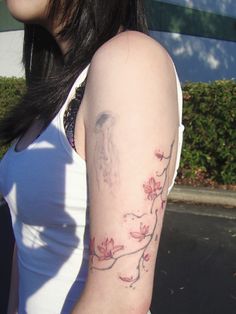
{"x":108,"y":252}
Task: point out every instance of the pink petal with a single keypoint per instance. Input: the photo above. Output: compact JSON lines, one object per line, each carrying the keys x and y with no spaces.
{"x":152,"y":182}
{"x":101,"y":249}
{"x":145,"y":229}
{"x":127,"y":279}
{"x":147,"y":188}
{"x":110,"y":245}
{"x":146,"y":257}
{"x":159,"y":155}
{"x":136,"y":235}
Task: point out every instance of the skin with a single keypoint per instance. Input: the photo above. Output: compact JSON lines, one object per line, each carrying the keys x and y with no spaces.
{"x":33,"y":11}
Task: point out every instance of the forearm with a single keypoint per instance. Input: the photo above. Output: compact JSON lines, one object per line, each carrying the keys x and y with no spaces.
{"x":13,"y":296}
{"x":107,"y":304}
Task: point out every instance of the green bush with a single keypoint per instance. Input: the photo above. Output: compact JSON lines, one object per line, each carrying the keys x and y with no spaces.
{"x":11,"y":90}
{"x":209,"y":147}
{"x":209,"y":117}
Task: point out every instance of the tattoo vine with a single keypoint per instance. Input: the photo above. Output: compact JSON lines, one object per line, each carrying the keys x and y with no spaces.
{"x":104,"y":256}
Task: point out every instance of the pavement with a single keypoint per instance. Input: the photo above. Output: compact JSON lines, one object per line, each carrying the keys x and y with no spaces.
{"x":203,"y":196}
{"x":6,"y":249}
{"x":196,"y":262}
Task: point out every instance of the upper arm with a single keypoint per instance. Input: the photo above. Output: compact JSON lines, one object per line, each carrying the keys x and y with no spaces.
{"x":131,"y":124}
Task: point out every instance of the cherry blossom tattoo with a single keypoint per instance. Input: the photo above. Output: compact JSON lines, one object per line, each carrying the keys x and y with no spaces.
{"x":105,"y":156}
{"x":142,"y":228}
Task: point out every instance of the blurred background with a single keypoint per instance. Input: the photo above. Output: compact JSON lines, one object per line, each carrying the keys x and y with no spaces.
{"x":199,"y":34}
{"x":196,"y":265}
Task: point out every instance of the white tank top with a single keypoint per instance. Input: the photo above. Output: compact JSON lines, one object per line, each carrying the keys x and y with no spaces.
{"x":45,"y":187}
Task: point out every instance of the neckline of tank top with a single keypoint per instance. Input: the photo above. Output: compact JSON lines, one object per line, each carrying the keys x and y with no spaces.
{"x":78,"y":81}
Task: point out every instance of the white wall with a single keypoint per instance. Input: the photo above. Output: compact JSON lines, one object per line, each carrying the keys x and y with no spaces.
{"x":196,"y":58}
{"x":224,"y":7}
{"x":200,"y":59}
{"x":11,"y":44}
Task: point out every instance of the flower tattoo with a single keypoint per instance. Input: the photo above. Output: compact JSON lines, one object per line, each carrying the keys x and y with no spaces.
{"x":151,"y":188}
{"x":107,"y":249}
{"x":104,"y":255}
{"x":141,"y":234}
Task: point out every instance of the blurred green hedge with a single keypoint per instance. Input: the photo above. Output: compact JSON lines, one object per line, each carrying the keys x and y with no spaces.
{"x":11,"y":90}
{"x":209,"y":117}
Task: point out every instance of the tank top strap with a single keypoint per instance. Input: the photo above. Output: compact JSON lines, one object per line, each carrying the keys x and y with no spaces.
{"x":179,"y":95}
{"x":62,"y":132}
{"x":80,"y":79}
{"x":180,"y":129}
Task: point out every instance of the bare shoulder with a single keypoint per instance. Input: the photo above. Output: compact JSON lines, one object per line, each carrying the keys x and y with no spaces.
{"x":132,"y":44}
{"x":128,"y":71}
{"x":129,"y":55}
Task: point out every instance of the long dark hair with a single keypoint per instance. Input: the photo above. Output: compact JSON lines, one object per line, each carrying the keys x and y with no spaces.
{"x":87,"y":24}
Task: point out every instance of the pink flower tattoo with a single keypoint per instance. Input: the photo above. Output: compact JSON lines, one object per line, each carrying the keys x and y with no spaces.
{"x":127,"y":279}
{"x":142,"y":233}
{"x":159,"y":155}
{"x":107,"y":249}
{"x":151,"y":187}
{"x":146,"y":257}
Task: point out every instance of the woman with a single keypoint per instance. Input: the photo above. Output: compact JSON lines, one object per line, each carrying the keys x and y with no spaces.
{"x":96,"y":145}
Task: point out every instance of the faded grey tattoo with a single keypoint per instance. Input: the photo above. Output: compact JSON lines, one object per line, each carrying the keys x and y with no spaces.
{"x":105,"y":156}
